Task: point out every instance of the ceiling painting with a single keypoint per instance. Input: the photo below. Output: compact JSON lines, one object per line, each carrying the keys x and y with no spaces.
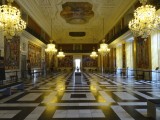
{"x":77,"y":12}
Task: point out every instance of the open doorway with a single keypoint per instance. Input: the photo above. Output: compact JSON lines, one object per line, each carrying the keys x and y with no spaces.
{"x":77,"y":64}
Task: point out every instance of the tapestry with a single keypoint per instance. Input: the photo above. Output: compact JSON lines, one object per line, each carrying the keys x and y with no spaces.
{"x":12,"y":53}
{"x":34,"y":55}
{"x":67,"y":61}
{"x":142,"y":50}
{"x":87,"y":61}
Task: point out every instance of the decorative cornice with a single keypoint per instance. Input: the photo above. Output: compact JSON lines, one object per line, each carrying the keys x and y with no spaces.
{"x":126,"y":37}
{"x":35,"y":14}
{"x":32,"y":38}
{"x":122,"y":12}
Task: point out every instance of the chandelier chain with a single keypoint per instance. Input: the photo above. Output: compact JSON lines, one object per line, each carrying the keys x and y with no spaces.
{"x":143,"y":2}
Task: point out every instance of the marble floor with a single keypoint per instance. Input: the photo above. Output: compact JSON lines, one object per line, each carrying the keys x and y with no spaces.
{"x":96,"y":98}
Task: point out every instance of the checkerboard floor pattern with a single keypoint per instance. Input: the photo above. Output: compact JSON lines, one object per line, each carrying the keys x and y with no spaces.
{"x":97,"y":98}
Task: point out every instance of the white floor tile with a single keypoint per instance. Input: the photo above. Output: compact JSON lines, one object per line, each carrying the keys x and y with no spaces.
{"x":30,"y":97}
{"x":143,"y":112}
{"x":36,"y":113}
{"x":50,"y":97}
{"x":125,"y":96}
{"x":4,"y":114}
{"x":142,"y":95}
{"x":121,"y":113}
{"x":132,"y":103}
{"x":106,"y":96}
{"x":155,"y":93}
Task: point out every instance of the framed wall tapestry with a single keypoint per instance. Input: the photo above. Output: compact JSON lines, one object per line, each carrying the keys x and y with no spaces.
{"x":142,"y":50}
{"x":12,"y":53}
{"x":87,"y":61}
{"x":34,"y":55}
{"x":67,"y":61}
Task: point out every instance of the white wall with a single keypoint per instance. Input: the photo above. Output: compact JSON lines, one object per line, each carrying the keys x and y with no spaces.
{"x":1,"y":43}
{"x":119,"y":56}
{"x":129,"y":56}
{"x":155,"y":53}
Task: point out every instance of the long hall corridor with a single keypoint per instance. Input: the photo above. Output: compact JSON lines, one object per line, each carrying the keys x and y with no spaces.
{"x":96,"y":98}
{"x":79,"y":59}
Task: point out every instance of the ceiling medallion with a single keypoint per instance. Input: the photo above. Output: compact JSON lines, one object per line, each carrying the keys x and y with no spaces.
{"x":77,"y":12}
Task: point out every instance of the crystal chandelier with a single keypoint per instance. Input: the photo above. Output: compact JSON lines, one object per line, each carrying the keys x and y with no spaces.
{"x":94,"y":54}
{"x":10,"y":20}
{"x":51,"y":48}
{"x":60,"y":54}
{"x":145,"y":20}
{"x":103,"y":48}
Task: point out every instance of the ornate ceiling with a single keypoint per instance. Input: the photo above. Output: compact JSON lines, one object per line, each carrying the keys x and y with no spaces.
{"x":77,"y":16}
{"x":77,"y":12}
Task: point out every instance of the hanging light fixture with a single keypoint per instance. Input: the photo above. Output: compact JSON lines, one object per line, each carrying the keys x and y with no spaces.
{"x":103,"y":49}
{"x":145,"y":20}
{"x":103,"y":46}
{"x":60,"y":54}
{"x":51,"y":47}
{"x":10,"y":20}
{"x":94,"y":54}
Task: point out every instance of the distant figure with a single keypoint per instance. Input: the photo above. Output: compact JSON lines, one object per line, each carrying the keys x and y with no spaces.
{"x":77,"y":68}
{"x":29,"y":68}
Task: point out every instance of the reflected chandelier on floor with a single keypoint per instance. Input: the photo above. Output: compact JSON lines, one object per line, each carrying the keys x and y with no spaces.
{"x":10,"y":20}
{"x":145,"y":20}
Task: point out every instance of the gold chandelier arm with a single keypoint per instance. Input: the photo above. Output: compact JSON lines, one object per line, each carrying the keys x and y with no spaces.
{"x":10,"y":1}
{"x":143,"y":2}
{"x":103,"y":41}
{"x":51,"y":40}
